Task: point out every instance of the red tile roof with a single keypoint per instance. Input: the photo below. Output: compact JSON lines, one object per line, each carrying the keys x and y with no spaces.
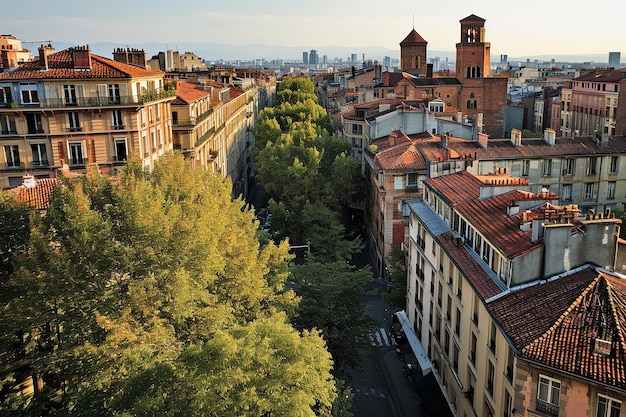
{"x":489,"y":216}
{"x":603,"y":76}
{"x":187,"y":93}
{"x":472,"y":18}
{"x":37,"y":197}
{"x":479,"y":279}
{"x":61,"y":66}
{"x":562,"y":324}
{"x":412,"y":38}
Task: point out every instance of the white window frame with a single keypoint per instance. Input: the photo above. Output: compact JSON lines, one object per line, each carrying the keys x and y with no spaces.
{"x":29,"y":93}
{"x":40,"y":159}
{"x":566,"y":196}
{"x":610,"y":192}
{"x":614,"y":165}
{"x":397,"y":182}
{"x":70,"y":155}
{"x":117,"y":119}
{"x":552,"y":385}
{"x":12,"y":155}
{"x":117,"y":141}
{"x":73,"y":121}
{"x":610,"y":402}
{"x":546,"y":168}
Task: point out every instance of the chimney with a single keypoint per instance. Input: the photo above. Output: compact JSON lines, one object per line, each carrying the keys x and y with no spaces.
{"x":483,"y":139}
{"x":516,"y":137}
{"x":136,"y":57}
{"x":44,"y":52}
{"x":429,"y":70}
{"x":28,"y":181}
{"x":392,"y":138}
{"x":459,"y":117}
{"x":549,"y":136}
{"x":81,"y":57}
{"x":444,"y":140}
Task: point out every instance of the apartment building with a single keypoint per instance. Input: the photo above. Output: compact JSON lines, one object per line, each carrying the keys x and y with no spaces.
{"x":589,"y":103}
{"x":72,"y":108}
{"x":481,"y":252}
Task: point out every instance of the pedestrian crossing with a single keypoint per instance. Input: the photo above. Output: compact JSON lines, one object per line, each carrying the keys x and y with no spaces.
{"x":369,"y":391}
{"x":380,"y":338}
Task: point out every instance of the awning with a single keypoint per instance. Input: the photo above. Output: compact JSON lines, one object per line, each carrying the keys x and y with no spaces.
{"x":433,"y":401}
{"x":418,"y":350}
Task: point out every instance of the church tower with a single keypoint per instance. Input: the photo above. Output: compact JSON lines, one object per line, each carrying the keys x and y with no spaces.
{"x":413,"y":54}
{"x":473,"y":54}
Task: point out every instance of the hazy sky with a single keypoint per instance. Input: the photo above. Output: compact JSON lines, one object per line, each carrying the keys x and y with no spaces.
{"x":527,"y":28}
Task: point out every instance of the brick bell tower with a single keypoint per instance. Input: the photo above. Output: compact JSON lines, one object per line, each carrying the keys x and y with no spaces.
{"x":472,"y":66}
{"x":413,"y":54}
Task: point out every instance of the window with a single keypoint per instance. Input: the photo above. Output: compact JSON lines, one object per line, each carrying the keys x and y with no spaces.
{"x":69,"y":94}
{"x":569,"y":166}
{"x":473,"y":349}
{"x":490,"y":377}
{"x":76,"y":156}
{"x":591,"y":166}
{"x":33,"y":123}
{"x":411,"y":180}
{"x":610,"y":193}
{"x":492,"y":337}
{"x":7,"y":125}
{"x":546,"y":168}
{"x":114,"y":93}
{"x":526,"y":168}
{"x":588,"y":191}
{"x":455,"y":358}
{"x":29,"y":93}
{"x":509,"y":364}
{"x":12,"y":154}
{"x":117,"y":121}
{"x":397,"y":182}
{"x":614,"y":166}
{"x":153,"y":140}
{"x":566,"y":192}
{"x":457,"y":324}
{"x":121,"y":151}
{"x":548,"y":392}
{"x":40,"y":156}
{"x":74,"y":122}
{"x":5,"y":95}
{"x":608,"y":407}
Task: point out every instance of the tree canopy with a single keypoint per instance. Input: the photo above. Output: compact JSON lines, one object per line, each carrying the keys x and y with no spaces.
{"x":150,"y":295}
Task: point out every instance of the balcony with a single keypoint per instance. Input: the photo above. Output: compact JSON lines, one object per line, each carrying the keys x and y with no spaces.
{"x":118,"y":127}
{"x":75,"y":129}
{"x":547,"y":408}
{"x":50,"y":103}
{"x":78,"y":162}
{"x":40,"y":164}
{"x":13,"y":165}
{"x":8,"y":132}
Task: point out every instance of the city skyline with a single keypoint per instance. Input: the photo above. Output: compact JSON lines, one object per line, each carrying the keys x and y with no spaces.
{"x":555,"y":30}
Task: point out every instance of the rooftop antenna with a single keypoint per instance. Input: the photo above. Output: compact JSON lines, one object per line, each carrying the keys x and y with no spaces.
{"x":413,"y":21}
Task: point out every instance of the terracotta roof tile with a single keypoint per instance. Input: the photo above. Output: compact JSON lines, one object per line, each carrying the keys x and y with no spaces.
{"x":573,"y":323}
{"x":489,"y":216}
{"x":60,"y":66}
{"x":413,"y":37}
{"x":38,"y":197}
{"x":479,"y":279}
{"x":187,"y":93}
{"x":603,"y":76}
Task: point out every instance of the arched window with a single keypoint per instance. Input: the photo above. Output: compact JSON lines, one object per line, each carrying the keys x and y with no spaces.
{"x":471,"y":95}
{"x":469,"y":72}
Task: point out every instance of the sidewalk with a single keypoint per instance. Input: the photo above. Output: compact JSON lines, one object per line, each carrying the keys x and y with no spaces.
{"x":405,"y":400}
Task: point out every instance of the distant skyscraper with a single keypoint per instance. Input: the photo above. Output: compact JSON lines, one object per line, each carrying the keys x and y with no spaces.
{"x":305,"y":58}
{"x":353,"y":58}
{"x":387,"y":61}
{"x":614,"y":60}
{"x":504,"y":59}
{"x":314,"y":59}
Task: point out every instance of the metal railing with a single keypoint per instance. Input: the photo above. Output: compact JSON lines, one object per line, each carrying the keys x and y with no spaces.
{"x":94,"y":101}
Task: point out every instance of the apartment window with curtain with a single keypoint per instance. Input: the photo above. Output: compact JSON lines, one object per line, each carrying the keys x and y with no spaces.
{"x":12,"y":155}
{"x":526,"y":168}
{"x":116,"y":120}
{"x":610,"y":193}
{"x":569,"y":166}
{"x":40,"y":155}
{"x":608,"y":407}
{"x":546,"y":168}
{"x":614,"y":166}
{"x":73,"y":122}
{"x":589,"y":190}
{"x":566,"y":192}
{"x":591,"y":165}
{"x":548,"y":393}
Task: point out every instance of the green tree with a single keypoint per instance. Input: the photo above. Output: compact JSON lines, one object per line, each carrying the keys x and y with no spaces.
{"x":333,"y":302}
{"x":396,"y":265}
{"x":124,"y":282}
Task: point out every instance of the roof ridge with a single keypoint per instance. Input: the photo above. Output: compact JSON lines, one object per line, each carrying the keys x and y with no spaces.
{"x":612,"y":297}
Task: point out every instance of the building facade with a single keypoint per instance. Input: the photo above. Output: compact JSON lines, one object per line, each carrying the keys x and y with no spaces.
{"x":71,"y":109}
{"x":472,"y":243}
{"x":590,"y":104}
